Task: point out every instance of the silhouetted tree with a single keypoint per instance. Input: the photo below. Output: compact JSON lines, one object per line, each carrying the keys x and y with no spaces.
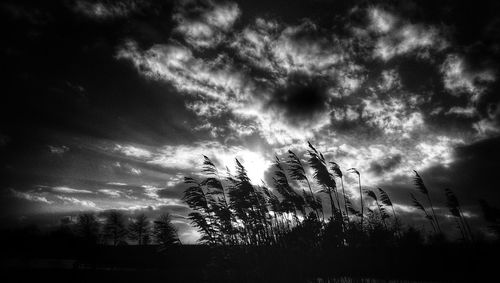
{"x":115,"y":227}
{"x":139,"y":229}
{"x":164,"y":232}
{"x":88,"y":227}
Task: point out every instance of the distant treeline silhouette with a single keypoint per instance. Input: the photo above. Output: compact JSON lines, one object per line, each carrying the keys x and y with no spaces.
{"x":229,"y":210}
{"x":117,"y":230}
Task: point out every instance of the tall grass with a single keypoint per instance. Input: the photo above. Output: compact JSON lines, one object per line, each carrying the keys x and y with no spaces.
{"x":420,"y":185}
{"x":229,"y":209}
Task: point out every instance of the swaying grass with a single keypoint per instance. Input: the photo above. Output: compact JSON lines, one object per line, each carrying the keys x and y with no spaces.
{"x":230,"y":210}
{"x":419,"y":184}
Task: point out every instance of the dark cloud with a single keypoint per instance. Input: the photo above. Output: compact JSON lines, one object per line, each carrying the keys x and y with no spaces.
{"x":472,"y":173}
{"x":170,"y":193}
{"x":488,"y":104}
{"x":301,"y":99}
{"x":419,"y":75}
{"x":381,"y":167}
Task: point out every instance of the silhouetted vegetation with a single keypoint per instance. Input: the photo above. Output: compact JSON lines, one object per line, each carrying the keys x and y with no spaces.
{"x":115,"y":228}
{"x":306,"y":227}
{"x":229,"y":210}
{"x":139,"y":230}
{"x":88,"y":228}
{"x":164,"y":232}
{"x":287,"y":219}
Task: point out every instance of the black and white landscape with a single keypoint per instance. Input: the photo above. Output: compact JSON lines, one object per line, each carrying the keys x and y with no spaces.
{"x":249,"y":141}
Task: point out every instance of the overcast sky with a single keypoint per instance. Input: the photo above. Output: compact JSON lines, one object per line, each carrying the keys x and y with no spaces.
{"x":109,"y":104}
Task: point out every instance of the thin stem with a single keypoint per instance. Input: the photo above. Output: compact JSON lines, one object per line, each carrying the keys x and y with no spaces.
{"x":434,"y":213}
{"x":345,"y":200}
{"x":361,"y":200}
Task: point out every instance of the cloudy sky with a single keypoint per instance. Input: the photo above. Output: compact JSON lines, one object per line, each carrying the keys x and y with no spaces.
{"x":109,"y":104}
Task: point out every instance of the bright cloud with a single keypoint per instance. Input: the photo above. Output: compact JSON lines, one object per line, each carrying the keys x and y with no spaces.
{"x":268,"y":54}
{"x":133,"y":151}
{"x":458,"y":79}
{"x":68,"y":190}
{"x":381,"y":21}
{"x":210,"y":25}
{"x":294,"y":51}
{"x":78,"y":202}
{"x":110,"y":192}
{"x":393,"y":116}
{"x":177,"y":64}
{"x":397,"y":39}
{"x":438,"y":151}
{"x":30,"y":196}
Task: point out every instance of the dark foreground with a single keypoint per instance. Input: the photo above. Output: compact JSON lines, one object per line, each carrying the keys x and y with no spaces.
{"x":450,"y":263}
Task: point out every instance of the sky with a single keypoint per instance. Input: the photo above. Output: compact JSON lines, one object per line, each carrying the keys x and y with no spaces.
{"x":109,"y":104}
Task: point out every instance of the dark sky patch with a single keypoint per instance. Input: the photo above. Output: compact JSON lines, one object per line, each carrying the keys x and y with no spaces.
{"x":302,"y":99}
{"x":172,"y":192}
{"x":386,"y":164}
{"x":419,"y":75}
{"x":471,"y":173}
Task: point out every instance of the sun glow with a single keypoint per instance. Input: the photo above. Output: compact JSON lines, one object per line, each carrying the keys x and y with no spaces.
{"x":188,"y":157}
{"x":255,"y":164}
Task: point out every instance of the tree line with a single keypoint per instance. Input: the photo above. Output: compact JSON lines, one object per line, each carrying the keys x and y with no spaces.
{"x":116,"y":229}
